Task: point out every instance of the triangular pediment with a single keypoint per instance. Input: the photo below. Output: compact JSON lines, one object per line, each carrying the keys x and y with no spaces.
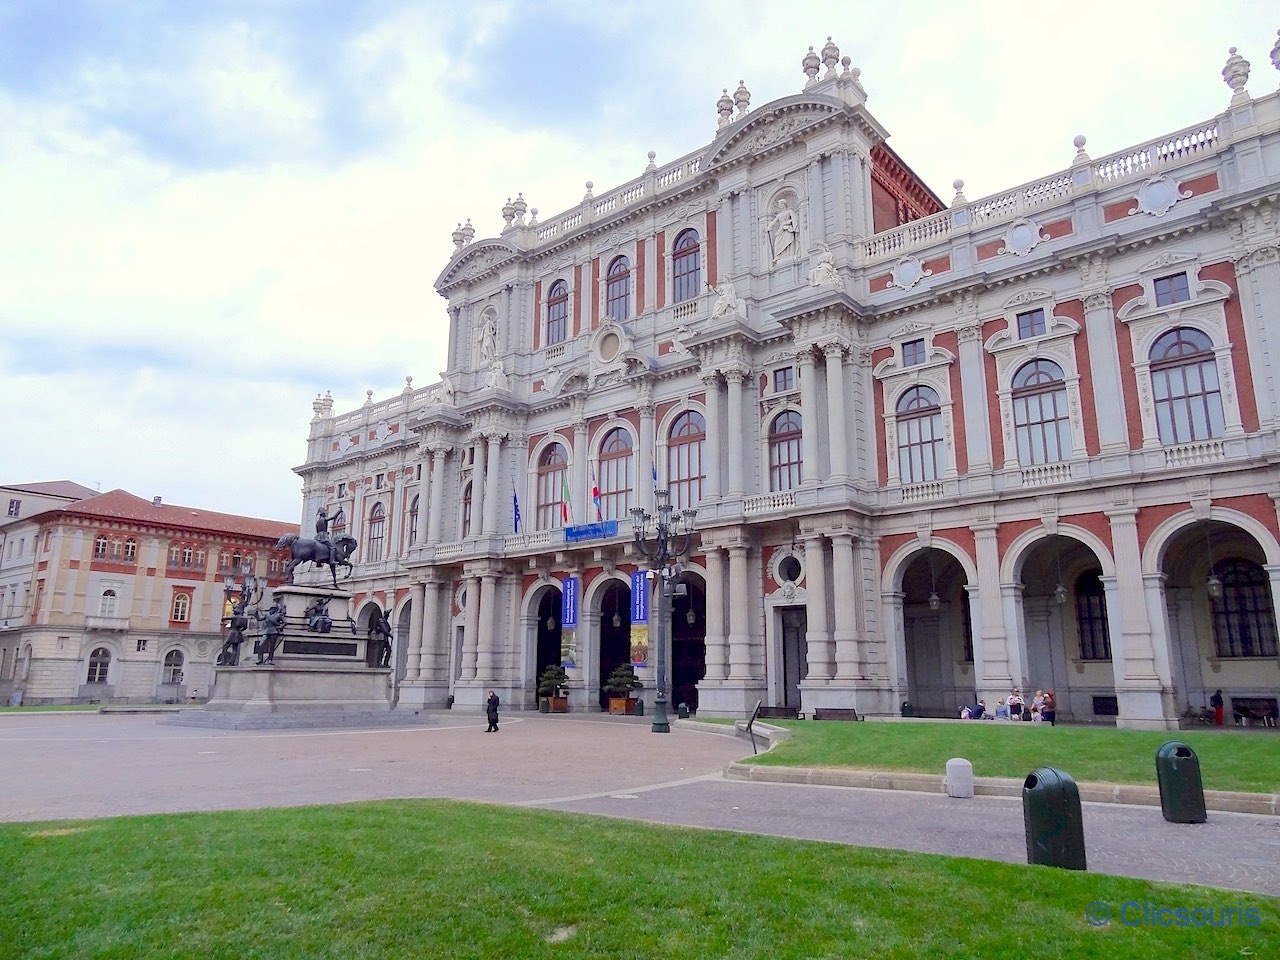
{"x":474,"y":261}
{"x":770,"y":126}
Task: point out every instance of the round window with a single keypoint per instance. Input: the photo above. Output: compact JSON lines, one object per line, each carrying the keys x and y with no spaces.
{"x":609,"y":346}
{"x":789,"y":570}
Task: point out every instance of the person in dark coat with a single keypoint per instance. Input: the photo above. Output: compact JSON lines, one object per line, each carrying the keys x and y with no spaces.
{"x":491,"y":711}
{"x":1217,"y":703}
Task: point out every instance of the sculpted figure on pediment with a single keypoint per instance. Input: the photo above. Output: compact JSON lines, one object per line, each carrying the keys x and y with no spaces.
{"x":726,"y":300}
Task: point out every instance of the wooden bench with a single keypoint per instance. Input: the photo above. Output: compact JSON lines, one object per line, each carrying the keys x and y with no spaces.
{"x":778,"y":713}
{"x":836,"y":713}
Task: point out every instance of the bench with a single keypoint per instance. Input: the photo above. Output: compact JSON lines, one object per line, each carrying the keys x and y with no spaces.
{"x":778,"y":713}
{"x":836,"y":713}
{"x":1260,"y":710}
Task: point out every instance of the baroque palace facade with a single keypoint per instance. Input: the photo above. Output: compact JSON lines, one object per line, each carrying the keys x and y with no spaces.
{"x":936,"y":449}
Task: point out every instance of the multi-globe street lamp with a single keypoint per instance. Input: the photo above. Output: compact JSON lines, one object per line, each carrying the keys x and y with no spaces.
{"x":672,"y":538}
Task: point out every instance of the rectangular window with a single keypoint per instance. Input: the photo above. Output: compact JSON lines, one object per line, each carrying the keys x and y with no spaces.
{"x":1172,"y":289}
{"x":142,"y":644}
{"x":379,"y":481}
{"x":1030,"y":324}
{"x":342,"y":490}
{"x":783,"y":380}
{"x":913,"y":353}
{"x":15,"y":507}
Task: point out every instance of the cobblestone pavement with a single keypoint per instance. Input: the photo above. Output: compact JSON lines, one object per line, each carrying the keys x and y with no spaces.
{"x":60,"y":766}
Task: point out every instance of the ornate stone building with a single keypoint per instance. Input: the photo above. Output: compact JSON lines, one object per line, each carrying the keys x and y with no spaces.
{"x":936,"y":449}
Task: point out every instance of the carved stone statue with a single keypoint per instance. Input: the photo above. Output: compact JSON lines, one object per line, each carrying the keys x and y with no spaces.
{"x":442,"y":392}
{"x":487,"y":336}
{"x":726,"y":300}
{"x":784,"y":229}
{"x":496,"y":376}
{"x":823,"y":273}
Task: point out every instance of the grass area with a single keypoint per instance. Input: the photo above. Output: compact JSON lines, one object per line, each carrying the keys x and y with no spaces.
{"x":1248,"y":761}
{"x":64,"y":707}
{"x":437,"y":878}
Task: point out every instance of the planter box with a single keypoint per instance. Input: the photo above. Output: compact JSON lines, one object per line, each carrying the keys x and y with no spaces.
{"x":622,"y":706}
{"x":557,"y":704}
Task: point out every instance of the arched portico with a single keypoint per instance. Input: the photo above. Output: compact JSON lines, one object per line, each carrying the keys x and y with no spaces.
{"x":931,"y":660}
{"x":688,"y":641}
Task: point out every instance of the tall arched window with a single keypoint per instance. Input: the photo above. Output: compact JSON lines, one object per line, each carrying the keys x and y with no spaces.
{"x":1041,"y":420}
{"x":615,"y":475}
{"x":181,"y":611}
{"x":466,"y":511}
{"x":1244,"y":621}
{"x":1091,"y":617}
{"x":413,"y":521}
{"x":99,"y":663}
{"x":557,"y":312}
{"x":919,"y":435}
{"x":377,"y":532}
{"x":784,"y":451}
{"x":684,"y":459}
{"x":617,"y":289}
{"x":1184,"y":382}
{"x":173,"y":661}
{"x":107,"y":604}
{"x":686,"y":267}
{"x":553,"y":510}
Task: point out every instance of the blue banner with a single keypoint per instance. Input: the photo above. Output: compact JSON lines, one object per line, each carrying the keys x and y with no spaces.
{"x":640,"y":596}
{"x":569,"y":602}
{"x":591,"y":531}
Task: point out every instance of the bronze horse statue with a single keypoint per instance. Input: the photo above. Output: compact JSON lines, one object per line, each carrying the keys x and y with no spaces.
{"x":333,"y":555}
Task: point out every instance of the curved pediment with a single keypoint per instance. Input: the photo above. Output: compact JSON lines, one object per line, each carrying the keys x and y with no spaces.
{"x":768,"y":126}
{"x":475,"y":261}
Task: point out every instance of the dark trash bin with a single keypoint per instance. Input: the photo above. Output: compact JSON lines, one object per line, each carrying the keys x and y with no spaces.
{"x":448,"y":702}
{"x":683,"y":711}
{"x":639,"y":708}
{"x":1054,"y":822}
{"x":1181,"y":788}
{"x":544,"y":705}
{"x":907,"y":709}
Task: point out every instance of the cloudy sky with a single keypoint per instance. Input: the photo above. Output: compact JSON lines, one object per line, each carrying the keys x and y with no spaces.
{"x":213,"y":211}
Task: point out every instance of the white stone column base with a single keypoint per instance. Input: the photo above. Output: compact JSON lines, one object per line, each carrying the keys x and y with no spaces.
{"x":1148,"y":708}
{"x":422,"y":693}
{"x":729,"y":698}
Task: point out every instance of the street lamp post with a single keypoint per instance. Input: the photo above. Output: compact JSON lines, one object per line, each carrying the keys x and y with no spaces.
{"x":250,"y":589}
{"x":672,"y":538}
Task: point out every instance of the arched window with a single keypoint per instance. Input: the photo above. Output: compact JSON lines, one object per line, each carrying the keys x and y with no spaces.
{"x":686,"y":267}
{"x":1041,"y":420}
{"x":188,"y":556}
{"x":99,"y":662}
{"x":466,"y":511}
{"x":377,"y":531}
{"x":181,"y":612}
{"x":919,"y":435}
{"x":1184,"y":382}
{"x":107,"y":604}
{"x":237,"y":561}
{"x":617,"y":289}
{"x":173,"y":661}
{"x":1244,"y":621}
{"x":1091,"y":617}
{"x":131,"y":549}
{"x":684,"y":459}
{"x":116,"y":549}
{"x":100,"y":547}
{"x":553,"y":494}
{"x":413,"y":522}
{"x":200,"y":558}
{"x":615,"y":475}
{"x":557,"y":312}
{"x":784,"y":451}
{"x":175,"y":552}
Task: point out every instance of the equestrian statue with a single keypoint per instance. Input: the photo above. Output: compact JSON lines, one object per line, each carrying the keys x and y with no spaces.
{"x":321,"y":551}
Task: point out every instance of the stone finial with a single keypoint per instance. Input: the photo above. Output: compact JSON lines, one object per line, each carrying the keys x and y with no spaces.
{"x":1275,"y":52}
{"x":459,"y":238}
{"x":317,"y":407}
{"x":520,"y":208}
{"x":810,"y":65}
{"x":533,"y":216}
{"x":468,"y":232}
{"x":651,"y":165}
{"x":724,"y":107}
{"x":856,"y":73}
{"x":508,"y":213}
{"x":1236,"y":74}
{"x":1081,"y":156}
{"x":845,"y":62}
{"x":589,"y":196}
{"x":408,"y":385}
{"x":830,"y":57}
{"x":742,"y":97}
{"x":960,"y":199}
{"x":368,"y":398}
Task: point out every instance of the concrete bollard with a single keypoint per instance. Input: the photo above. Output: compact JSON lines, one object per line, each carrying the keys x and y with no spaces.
{"x":959,"y":778}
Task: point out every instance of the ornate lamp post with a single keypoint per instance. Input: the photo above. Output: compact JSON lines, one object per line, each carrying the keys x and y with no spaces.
{"x":250,"y":587}
{"x":673,"y":536}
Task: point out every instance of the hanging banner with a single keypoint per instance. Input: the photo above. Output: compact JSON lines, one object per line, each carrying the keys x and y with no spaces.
{"x":569,"y":647}
{"x":591,"y":531}
{"x":640,"y":596}
{"x":639,"y":644}
{"x":569,"y":602}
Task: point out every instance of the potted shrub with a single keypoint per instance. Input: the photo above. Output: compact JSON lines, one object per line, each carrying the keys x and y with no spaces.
{"x":619,"y":686}
{"x":552,"y":697}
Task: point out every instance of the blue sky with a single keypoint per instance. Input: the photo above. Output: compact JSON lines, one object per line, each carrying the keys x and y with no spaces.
{"x":214,"y":211}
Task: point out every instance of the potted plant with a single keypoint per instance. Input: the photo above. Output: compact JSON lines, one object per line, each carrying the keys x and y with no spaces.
{"x":619,"y":686}
{"x":552,"y":697}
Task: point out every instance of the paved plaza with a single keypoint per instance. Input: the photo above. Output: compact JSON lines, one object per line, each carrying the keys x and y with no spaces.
{"x":74,"y":765}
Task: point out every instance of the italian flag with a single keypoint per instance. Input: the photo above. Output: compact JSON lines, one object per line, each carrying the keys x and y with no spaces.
{"x":566,"y":509}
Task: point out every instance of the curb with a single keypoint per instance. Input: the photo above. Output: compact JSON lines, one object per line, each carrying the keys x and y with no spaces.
{"x":1221,"y":801}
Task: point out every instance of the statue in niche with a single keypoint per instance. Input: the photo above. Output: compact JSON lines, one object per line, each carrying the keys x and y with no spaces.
{"x":784,"y":231}
{"x":487,"y":336}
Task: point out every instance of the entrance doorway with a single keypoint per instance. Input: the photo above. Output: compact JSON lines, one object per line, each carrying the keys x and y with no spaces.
{"x":795,"y":653}
{"x":688,"y":644}
{"x":547,"y":648}
{"x":615,"y":633}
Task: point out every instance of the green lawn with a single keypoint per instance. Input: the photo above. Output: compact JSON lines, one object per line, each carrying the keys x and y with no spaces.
{"x":1229,"y":760}
{"x":441,"y":879}
{"x":82,"y":707}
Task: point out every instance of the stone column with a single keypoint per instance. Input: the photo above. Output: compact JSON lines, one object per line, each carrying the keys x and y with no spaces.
{"x":1259,"y":283}
{"x":477,"y":490}
{"x":485,"y":638}
{"x":429,"y":665}
{"x":809,"y":417}
{"x":717,"y":654}
{"x":646,"y":457}
{"x":973,"y":388}
{"x":471,"y":629}
{"x":492,"y":481}
{"x":837,"y":430}
{"x":739,"y":613}
{"x":818,"y":635}
{"x":425,"y":493}
{"x":735,"y":377}
{"x":395,"y":516}
{"x":438,"y":455}
{"x":895,"y":643}
{"x":1134,"y":648}
{"x":845,"y":588}
{"x":413,"y":665}
{"x":992,"y":668}
{"x":1104,"y":373}
{"x":711,"y":446}
{"x":577,"y":483}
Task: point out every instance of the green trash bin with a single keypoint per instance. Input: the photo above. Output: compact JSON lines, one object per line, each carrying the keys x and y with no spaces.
{"x":1181,"y":788}
{"x":1054,"y":822}
{"x":544,"y":705}
{"x":907,"y":709}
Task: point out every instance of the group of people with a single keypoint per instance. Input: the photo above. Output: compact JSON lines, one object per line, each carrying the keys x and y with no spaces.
{"x":1043,"y":708}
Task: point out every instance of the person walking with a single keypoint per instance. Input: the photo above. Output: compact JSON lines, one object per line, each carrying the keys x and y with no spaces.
{"x":491,"y":712}
{"x":1217,"y":703}
{"x":1049,"y":709}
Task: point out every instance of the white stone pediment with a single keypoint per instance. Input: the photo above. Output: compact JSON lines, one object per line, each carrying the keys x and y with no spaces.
{"x":475,"y":261}
{"x":769,"y":126}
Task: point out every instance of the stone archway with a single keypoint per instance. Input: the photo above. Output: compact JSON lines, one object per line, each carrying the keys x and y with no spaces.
{"x":614,"y":647}
{"x":548,"y":631}
{"x":688,"y":642}
{"x":937,"y":635}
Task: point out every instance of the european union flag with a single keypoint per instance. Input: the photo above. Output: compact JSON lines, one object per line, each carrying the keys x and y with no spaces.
{"x":515,"y":506}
